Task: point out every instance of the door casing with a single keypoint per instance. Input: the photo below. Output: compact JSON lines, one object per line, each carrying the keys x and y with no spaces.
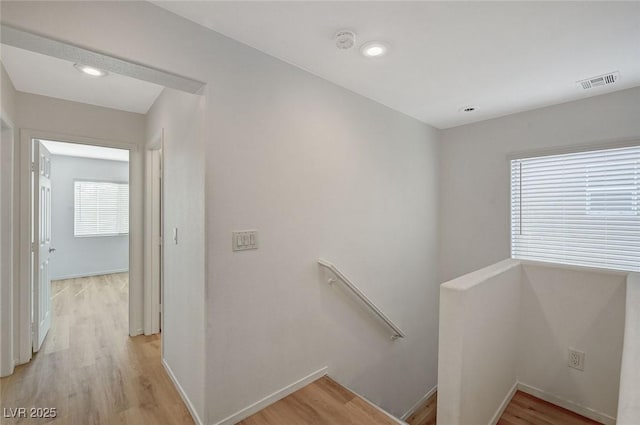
{"x":23,"y":326}
{"x":154,"y":243}
{"x":8,"y":237}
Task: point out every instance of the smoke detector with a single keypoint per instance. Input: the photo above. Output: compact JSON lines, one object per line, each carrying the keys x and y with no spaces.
{"x":345,"y":39}
{"x":598,"y":81}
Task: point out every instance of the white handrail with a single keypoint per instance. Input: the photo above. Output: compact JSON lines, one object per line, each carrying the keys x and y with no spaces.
{"x":397,"y":331}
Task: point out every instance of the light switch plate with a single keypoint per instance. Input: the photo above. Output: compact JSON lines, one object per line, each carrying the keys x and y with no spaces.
{"x":245,"y":239}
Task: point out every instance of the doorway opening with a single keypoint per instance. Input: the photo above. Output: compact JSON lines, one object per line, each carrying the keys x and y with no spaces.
{"x":80,"y":243}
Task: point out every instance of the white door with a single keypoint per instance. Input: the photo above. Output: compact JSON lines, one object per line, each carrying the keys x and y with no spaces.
{"x":43,"y":249}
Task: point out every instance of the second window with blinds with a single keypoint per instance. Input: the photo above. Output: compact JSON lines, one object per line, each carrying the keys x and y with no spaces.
{"x":579,"y":208}
{"x":101,"y":208}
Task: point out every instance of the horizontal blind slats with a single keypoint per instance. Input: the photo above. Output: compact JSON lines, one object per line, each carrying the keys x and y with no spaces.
{"x":580,"y":208}
{"x":101,"y":208}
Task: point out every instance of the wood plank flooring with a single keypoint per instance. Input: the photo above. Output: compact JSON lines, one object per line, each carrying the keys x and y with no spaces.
{"x":426,"y":413}
{"x":526,"y":409}
{"x":89,"y":369}
{"x":323,"y":402}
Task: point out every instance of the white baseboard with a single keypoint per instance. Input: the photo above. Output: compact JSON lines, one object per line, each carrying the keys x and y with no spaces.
{"x":187,"y":402}
{"x":375,"y":406}
{"x":272,"y":398}
{"x":99,"y":273}
{"x":504,"y":404}
{"x":419,"y":403}
{"x":567,"y":404}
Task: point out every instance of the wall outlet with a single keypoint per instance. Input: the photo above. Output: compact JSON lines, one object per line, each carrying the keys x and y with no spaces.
{"x":246,"y":239}
{"x":576,"y":359}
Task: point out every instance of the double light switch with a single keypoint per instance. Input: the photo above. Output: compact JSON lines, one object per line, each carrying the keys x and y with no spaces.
{"x":246,"y":239}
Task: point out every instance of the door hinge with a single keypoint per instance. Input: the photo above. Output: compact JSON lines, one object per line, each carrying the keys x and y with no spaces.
{"x":33,"y":166}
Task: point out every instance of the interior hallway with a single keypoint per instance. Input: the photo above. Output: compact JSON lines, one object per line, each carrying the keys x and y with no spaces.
{"x":89,"y":369}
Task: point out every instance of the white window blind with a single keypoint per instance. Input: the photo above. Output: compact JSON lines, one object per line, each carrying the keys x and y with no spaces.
{"x":580,"y":208}
{"x":101,"y":208}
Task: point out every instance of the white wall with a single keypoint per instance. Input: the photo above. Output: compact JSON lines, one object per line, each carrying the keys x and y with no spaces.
{"x":85,"y":256}
{"x":7,"y":269}
{"x":474,"y":194}
{"x":515,"y":321}
{"x":629,"y":395}
{"x":563,"y":307}
{"x":478,"y":352}
{"x":319,"y":171}
{"x":78,"y":119}
{"x":183,"y":332}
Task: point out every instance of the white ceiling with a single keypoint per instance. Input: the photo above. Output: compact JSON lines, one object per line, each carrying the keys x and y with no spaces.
{"x":85,"y":151}
{"x":502,"y":57}
{"x":48,"y":76}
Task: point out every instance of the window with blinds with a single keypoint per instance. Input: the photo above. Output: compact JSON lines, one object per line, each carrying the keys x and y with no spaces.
{"x":101,"y":208}
{"x":579,"y":208}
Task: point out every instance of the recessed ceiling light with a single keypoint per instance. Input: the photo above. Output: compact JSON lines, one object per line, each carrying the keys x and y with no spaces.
{"x":374,"y":49}
{"x":468,"y":109}
{"x":89,"y":70}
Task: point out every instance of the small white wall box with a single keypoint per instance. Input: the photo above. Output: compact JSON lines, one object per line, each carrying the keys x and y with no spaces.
{"x":576,"y":359}
{"x":245,"y":239}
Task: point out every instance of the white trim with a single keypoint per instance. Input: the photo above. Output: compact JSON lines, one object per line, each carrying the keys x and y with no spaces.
{"x":183,"y":394}
{"x":23,"y":327}
{"x":504,"y":404}
{"x":136,"y":167}
{"x":272,"y":398}
{"x":152,"y":255}
{"x":83,"y":140}
{"x":567,"y":404}
{"x":600,"y":145}
{"x":98,"y":273}
{"x":419,"y":403}
{"x":7,"y":286}
{"x":375,"y":406}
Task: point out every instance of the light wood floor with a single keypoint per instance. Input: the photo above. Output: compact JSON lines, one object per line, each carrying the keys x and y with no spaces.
{"x":525,"y":409}
{"x":89,"y":369}
{"x":426,"y":413}
{"x":323,"y":402}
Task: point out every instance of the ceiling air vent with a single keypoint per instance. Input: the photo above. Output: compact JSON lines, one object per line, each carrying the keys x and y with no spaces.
{"x":600,"y":80}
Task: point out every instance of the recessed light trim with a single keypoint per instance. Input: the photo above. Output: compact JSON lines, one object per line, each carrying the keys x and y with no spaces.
{"x":468,"y":109}
{"x":374,"y":49}
{"x":90,"y":70}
